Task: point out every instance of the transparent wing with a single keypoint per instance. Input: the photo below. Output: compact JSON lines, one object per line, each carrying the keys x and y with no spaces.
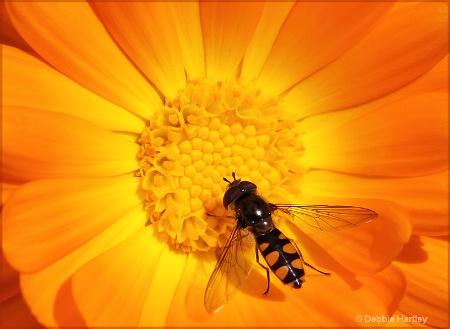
{"x":319,"y":218}
{"x":232,"y":269}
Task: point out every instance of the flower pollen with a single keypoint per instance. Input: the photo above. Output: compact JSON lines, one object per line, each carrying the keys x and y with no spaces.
{"x":206,"y":132}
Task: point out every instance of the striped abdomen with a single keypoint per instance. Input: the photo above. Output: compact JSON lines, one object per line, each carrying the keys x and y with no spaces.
{"x":282,"y":257}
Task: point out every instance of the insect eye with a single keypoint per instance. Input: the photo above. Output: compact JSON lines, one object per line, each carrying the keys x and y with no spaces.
{"x":231,"y":195}
{"x":235,"y":192}
{"x":247,"y":186}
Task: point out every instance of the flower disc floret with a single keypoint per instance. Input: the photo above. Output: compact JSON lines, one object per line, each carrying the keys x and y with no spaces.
{"x":206,"y":132}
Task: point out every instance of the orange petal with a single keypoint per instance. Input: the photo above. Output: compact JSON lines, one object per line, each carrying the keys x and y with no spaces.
{"x":9,"y":280}
{"x":70,"y":37}
{"x":158,"y":55}
{"x":48,"y":89}
{"x":389,"y":286}
{"x":364,"y":249}
{"x":424,"y":261}
{"x":426,"y":198}
{"x":435,"y":79}
{"x":41,"y":144}
{"x":403,"y":321}
{"x":55,"y":217}
{"x":16,"y":314}
{"x":7,"y":189}
{"x":227,"y":30}
{"x":313,"y":35}
{"x":359,"y":295}
{"x":49,"y":291}
{"x":9,"y":35}
{"x":405,"y":45}
{"x":402,"y":4}
{"x":272,"y":20}
{"x":113,"y":289}
{"x":400,"y":139}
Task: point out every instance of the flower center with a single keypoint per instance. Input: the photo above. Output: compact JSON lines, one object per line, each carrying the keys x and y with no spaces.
{"x":206,"y":132}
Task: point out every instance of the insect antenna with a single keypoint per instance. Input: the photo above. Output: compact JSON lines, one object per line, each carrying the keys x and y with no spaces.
{"x":234,"y":178}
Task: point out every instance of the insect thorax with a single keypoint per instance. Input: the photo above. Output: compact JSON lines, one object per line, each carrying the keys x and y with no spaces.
{"x":253,"y":211}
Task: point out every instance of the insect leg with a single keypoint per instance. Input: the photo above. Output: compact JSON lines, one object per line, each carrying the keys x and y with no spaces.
{"x":264,"y":267}
{"x":211,"y":215}
{"x":307,"y":264}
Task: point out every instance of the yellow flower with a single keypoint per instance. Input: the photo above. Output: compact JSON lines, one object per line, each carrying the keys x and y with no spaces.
{"x":120,"y":120}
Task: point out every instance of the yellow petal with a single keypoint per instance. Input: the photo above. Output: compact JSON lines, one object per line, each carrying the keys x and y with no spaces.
{"x":187,"y":307}
{"x":48,"y":89}
{"x":426,"y":198}
{"x":227,"y":30}
{"x":49,"y":291}
{"x":165,"y":282}
{"x":424,"y":262}
{"x":356,"y":249}
{"x":187,"y":21}
{"x":405,"y":45}
{"x":70,"y":37}
{"x":272,"y":20}
{"x":45,"y":144}
{"x":146,"y":32}
{"x":405,"y":138}
{"x":313,"y":35}
{"x":47,"y":219}
{"x":113,"y":289}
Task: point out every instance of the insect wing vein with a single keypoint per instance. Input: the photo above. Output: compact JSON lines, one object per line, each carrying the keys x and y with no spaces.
{"x":318,"y":218}
{"x":232,"y":269}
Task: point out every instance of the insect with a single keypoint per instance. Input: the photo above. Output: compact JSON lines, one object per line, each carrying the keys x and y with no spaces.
{"x":255,"y":233}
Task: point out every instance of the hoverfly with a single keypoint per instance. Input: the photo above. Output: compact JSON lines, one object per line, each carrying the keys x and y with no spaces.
{"x":256,"y":233}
